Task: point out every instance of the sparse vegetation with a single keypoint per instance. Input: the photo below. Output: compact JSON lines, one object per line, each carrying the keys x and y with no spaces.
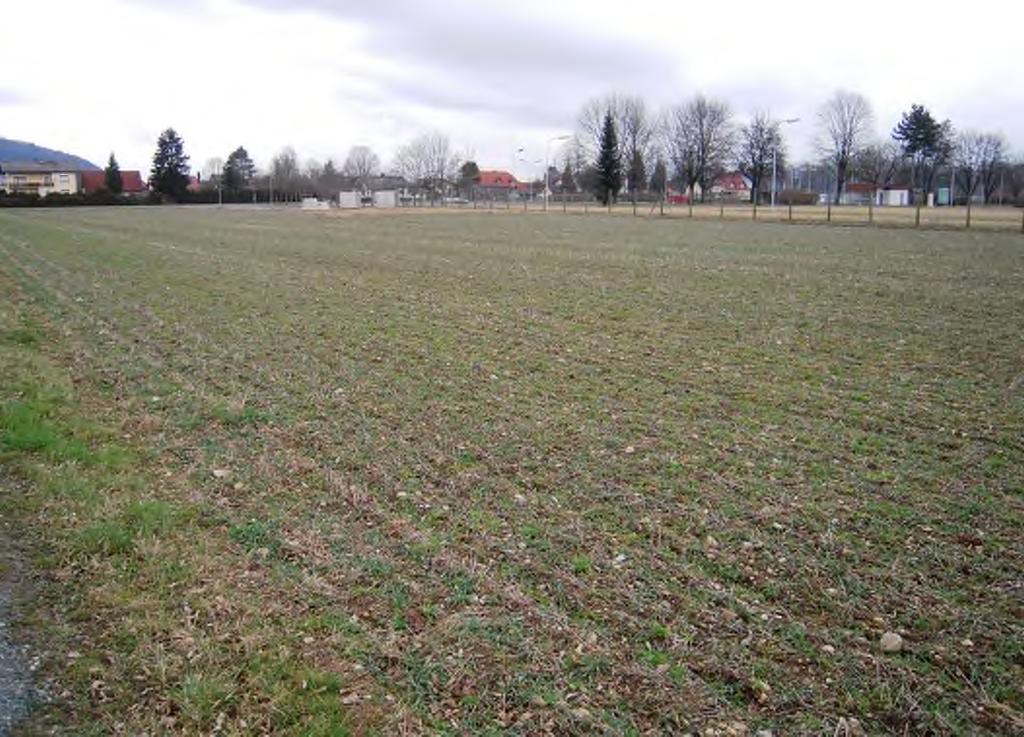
{"x":491,"y":474}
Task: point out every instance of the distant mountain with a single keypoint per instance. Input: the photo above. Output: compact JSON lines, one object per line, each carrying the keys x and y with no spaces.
{"x":11,"y":150}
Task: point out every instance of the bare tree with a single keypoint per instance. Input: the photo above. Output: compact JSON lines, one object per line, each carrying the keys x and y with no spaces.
{"x":636,"y":137}
{"x":429,"y":161}
{"x":284,"y":168}
{"x":845,"y":122}
{"x":878,"y":163}
{"x":700,"y":142}
{"x":361,"y":164}
{"x":590,"y":123}
{"x":759,"y":141}
{"x":979,"y":158}
{"x":993,"y":164}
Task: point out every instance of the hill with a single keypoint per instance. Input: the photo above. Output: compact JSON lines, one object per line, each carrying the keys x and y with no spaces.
{"x":11,"y":150}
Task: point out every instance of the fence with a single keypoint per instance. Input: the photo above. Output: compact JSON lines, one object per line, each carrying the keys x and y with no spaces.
{"x":992,"y":217}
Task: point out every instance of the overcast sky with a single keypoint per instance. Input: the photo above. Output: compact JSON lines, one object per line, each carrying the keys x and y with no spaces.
{"x":323,"y":75}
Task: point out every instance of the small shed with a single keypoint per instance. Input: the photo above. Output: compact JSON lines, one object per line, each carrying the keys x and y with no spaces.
{"x":385,"y":198}
{"x":893,"y":197}
{"x":349,"y":200}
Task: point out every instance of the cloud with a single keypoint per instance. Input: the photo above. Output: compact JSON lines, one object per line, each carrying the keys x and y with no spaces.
{"x":10,"y":98}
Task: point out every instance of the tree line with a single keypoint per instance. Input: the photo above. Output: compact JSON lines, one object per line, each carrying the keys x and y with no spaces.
{"x":621,"y":146}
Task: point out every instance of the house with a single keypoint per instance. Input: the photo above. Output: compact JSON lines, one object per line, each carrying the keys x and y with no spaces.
{"x":37,"y":177}
{"x":733,"y":187}
{"x":500,"y":184}
{"x":132,"y":182}
{"x":857,"y":193}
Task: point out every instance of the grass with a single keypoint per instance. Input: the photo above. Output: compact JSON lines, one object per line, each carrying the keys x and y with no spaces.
{"x":487,"y":473}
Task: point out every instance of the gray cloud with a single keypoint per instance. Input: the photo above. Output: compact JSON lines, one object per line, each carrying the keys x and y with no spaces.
{"x":483,"y":58}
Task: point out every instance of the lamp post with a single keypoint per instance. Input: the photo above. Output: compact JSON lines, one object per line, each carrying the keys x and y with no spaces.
{"x":547,"y":166}
{"x":775,"y":154}
{"x":536,"y":162}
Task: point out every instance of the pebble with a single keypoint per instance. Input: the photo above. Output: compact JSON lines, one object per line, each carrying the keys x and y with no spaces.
{"x":891,"y":643}
{"x":828,"y":649}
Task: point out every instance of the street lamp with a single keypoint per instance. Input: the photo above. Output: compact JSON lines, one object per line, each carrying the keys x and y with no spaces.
{"x":547,"y":166}
{"x":536,"y":162}
{"x":775,"y":153}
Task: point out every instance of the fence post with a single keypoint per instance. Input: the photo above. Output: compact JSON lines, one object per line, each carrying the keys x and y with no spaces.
{"x":1022,"y":222}
{"x":790,"y":212}
{"x":690,"y":203}
{"x":508,"y":202}
{"x":564,"y":210}
{"x":871,"y":213}
{"x":586,"y":207}
{"x":661,"y":205}
{"x":721,"y":211}
{"x":755,"y":208}
{"x":968,"y":214}
{"x":917,"y":217}
{"x":634,"y":205}
{"x":609,"y":204}
{"x":828,"y":212}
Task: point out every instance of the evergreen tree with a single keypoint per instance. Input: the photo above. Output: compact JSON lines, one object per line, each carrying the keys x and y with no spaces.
{"x":637,"y":174}
{"x":926,"y":142}
{"x":609,"y":166}
{"x":567,"y":181}
{"x":238,"y":170}
{"x":169,"y":175}
{"x":112,"y":176}
{"x":659,"y":179}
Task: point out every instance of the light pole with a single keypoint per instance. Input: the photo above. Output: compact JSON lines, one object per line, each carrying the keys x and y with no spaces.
{"x":535,"y":163}
{"x":775,"y":155}
{"x":547,"y":166}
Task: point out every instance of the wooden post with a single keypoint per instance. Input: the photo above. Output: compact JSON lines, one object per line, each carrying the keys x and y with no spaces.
{"x":968,"y":214}
{"x":790,"y":212}
{"x":917,"y":217}
{"x":609,"y":204}
{"x":564,"y":209}
{"x":721,"y":211}
{"x":828,"y":211}
{"x":634,"y":205}
{"x":508,"y":201}
{"x":1022,"y":222}
{"x":755,"y":208}
{"x":690,"y":203}
{"x":871,"y":212}
{"x":661,"y":205}
{"x":586,"y":207}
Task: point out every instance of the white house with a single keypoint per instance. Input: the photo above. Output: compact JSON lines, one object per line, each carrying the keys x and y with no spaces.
{"x":37,"y":177}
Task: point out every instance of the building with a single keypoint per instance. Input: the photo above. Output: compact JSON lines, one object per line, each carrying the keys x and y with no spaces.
{"x":731,"y":187}
{"x":38,"y":177}
{"x":500,"y":184}
{"x":132,"y":182}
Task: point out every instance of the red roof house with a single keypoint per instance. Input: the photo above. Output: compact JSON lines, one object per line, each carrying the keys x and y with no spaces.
{"x":95,"y":181}
{"x":497,"y":178}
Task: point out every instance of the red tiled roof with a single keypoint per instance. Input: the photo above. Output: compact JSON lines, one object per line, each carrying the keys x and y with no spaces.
{"x":861,"y":187}
{"x":94,"y":181}
{"x":732,"y":181}
{"x":497,"y":178}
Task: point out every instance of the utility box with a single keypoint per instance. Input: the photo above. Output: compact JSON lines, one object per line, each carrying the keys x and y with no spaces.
{"x":349,"y":200}
{"x":385,"y":198}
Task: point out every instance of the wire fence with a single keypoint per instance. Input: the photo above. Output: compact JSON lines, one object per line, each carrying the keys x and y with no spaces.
{"x":1003,"y":218}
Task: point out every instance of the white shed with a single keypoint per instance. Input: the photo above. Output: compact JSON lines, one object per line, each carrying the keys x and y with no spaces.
{"x":892,"y":197}
{"x":385,"y":198}
{"x":349,"y":200}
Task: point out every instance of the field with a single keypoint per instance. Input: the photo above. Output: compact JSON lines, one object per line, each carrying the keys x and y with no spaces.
{"x":496,"y":473}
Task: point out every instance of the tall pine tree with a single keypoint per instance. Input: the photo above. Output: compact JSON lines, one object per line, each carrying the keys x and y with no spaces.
{"x":926,"y":142}
{"x":238,"y":170}
{"x":169,"y":175}
{"x":609,"y":164}
{"x":112,"y":176}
